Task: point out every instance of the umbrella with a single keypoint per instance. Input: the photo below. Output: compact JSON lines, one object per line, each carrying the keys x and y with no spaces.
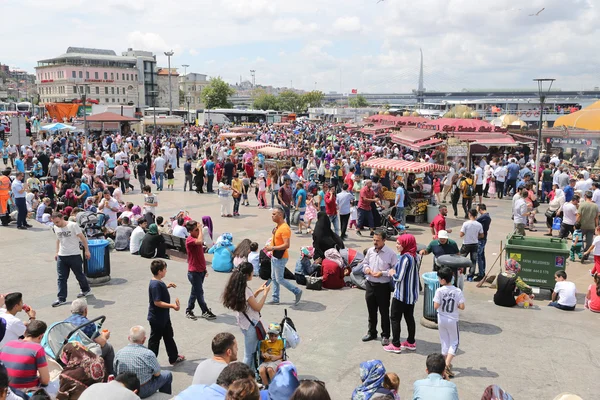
{"x":57,"y":127}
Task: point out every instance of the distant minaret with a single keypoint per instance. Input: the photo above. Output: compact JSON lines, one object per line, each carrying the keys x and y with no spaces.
{"x":420,"y":90}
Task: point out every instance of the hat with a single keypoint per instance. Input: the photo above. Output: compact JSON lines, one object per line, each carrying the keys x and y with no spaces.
{"x":274,"y":328}
{"x":443,"y":235}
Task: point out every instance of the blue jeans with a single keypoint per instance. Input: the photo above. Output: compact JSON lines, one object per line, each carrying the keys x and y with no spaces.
{"x":160,"y":177}
{"x":250,"y":344}
{"x":197,"y":293}
{"x":481,"y":256}
{"x":161,"y":383}
{"x":66,"y":264}
{"x":22,"y":211}
{"x":400,"y":214}
{"x":287,"y":214}
{"x":335,"y":221}
{"x":546,"y":188}
{"x":277,"y":272}
{"x":273,"y":193}
{"x":560,"y":306}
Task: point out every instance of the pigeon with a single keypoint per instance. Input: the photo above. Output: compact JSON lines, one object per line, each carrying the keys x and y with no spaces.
{"x":537,"y":13}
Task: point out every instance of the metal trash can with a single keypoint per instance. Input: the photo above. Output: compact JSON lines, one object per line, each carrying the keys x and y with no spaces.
{"x":97,"y":268}
{"x":431,"y":282}
{"x":454,"y":262}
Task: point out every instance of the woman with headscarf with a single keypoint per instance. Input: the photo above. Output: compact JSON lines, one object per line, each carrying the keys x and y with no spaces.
{"x":82,"y":369}
{"x":199,"y":177}
{"x":323,"y":236}
{"x":555,"y":204}
{"x":405,"y":276}
{"x":372,"y":374}
{"x":284,"y":383}
{"x":153,"y":244}
{"x":510,"y":285}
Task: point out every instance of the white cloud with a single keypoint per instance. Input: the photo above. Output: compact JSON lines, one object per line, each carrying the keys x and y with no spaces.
{"x":347,"y":24}
{"x":147,"y":41}
{"x":293,"y":25}
{"x":193,"y":52}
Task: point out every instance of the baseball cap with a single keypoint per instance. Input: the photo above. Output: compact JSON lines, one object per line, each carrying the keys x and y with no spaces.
{"x":443,"y":235}
{"x":274,"y":328}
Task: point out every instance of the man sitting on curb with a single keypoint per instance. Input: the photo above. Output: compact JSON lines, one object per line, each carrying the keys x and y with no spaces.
{"x":224,"y":348}
{"x":218,"y":390}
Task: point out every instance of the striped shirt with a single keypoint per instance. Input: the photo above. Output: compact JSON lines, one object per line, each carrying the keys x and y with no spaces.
{"x":137,"y":359}
{"x":22,"y":361}
{"x":406,"y":279}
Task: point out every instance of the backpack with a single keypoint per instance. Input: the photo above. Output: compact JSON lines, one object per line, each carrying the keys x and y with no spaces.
{"x":468,"y":191}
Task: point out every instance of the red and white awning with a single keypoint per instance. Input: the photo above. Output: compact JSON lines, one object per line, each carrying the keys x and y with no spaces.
{"x":403,"y":166}
{"x":251,"y":145}
{"x":235,"y":134}
{"x":273,"y":151}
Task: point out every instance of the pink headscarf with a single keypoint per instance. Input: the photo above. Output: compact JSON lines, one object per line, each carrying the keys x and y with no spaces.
{"x":408,"y":243}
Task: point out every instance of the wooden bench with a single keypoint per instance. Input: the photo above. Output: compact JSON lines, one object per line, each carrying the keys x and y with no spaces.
{"x":175,"y":246}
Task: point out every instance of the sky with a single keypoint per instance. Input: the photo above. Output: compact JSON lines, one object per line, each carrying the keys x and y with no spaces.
{"x":336,"y":45}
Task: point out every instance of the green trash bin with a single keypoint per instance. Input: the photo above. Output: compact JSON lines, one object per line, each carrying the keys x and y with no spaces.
{"x":540,"y":258}
{"x":431,"y":285}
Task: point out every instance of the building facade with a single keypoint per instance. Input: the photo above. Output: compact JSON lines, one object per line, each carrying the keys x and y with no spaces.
{"x":147,"y":77}
{"x":162,"y":99}
{"x":192,"y":85}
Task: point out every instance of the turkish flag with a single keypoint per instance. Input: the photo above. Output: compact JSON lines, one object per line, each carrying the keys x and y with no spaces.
{"x":354,"y":91}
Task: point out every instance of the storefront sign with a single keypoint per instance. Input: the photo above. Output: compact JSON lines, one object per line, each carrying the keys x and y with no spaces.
{"x":47,"y":80}
{"x":100,"y":80}
{"x":457,"y":150}
{"x":571,"y":141}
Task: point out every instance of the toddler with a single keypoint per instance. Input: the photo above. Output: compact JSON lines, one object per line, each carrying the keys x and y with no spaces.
{"x":353,"y":215}
{"x":577,"y":245}
{"x":254,"y":257}
{"x":391,"y":381}
{"x":271,"y":351}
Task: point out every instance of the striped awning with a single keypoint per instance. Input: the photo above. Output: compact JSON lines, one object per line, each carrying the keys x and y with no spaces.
{"x":251,"y":145}
{"x":235,"y":134}
{"x":273,"y":151}
{"x":403,"y":166}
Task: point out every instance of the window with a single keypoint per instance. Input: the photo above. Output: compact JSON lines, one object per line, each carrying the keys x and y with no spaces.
{"x":95,"y":75}
{"x":88,"y":90}
{"x":97,"y":90}
{"x":81,"y":74}
{"x":112,"y":90}
{"x":136,"y":77}
{"x":74,"y":74}
{"x":127,"y":76}
{"x":106,"y":89}
{"x":113,"y":100}
{"x":112,"y":76}
{"x":87,"y":74}
{"x":74,"y":89}
{"x":106,"y":75}
{"x":122,"y":76}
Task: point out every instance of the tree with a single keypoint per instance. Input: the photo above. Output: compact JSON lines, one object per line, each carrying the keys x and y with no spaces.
{"x":313,"y":99}
{"x":358,"y":101}
{"x":216,"y":93}
{"x":264,"y":101}
{"x":291,"y":101}
{"x":181,"y":97}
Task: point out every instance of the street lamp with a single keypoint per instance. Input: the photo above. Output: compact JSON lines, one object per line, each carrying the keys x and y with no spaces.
{"x":84,"y":86}
{"x":188,"y":98}
{"x":541,"y":82}
{"x":153,"y":93}
{"x":169,"y":54}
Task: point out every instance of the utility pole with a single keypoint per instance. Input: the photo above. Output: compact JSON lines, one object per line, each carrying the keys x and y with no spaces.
{"x":542,"y":93}
{"x":253,"y":73}
{"x":169,"y":54}
{"x":153,"y":93}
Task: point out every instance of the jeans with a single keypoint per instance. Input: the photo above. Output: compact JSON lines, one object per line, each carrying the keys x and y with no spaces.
{"x":400,"y":215}
{"x":66,"y":264}
{"x":142,"y":180}
{"x":108,"y":355}
{"x":22,"y":209}
{"x":335,"y":222}
{"x":510,"y":184}
{"x":400,"y":309}
{"x":236,"y":205}
{"x":467,"y":204}
{"x":273,"y":198}
{"x":471,"y":251}
{"x":481,"y":257}
{"x":250,"y":345}
{"x":377,"y":297}
{"x":163,"y":331}
{"x":160,"y":178}
{"x":197,"y":293}
{"x":588,"y":236}
{"x":500,"y":189}
{"x":209,"y":183}
{"x":188,"y":178}
{"x":162,"y":383}
{"x":277,"y":276}
{"x":344,"y":223}
{"x":560,"y":306}
{"x":546,"y":188}
{"x":454,"y":198}
{"x":286,"y":209}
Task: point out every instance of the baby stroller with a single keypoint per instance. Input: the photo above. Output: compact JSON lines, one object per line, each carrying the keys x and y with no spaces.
{"x":390,"y":224}
{"x":312,"y":175}
{"x":92,"y":224}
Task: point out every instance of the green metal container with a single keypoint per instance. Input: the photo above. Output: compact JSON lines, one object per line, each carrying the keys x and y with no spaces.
{"x":539,"y":257}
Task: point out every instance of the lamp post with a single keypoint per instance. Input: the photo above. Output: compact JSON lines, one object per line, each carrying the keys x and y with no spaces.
{"x":541,"y":82}
{"x":84,"y":86}
{"x":153,"y":93}
{"x":188,"y":98}
{"x":169,"y":54}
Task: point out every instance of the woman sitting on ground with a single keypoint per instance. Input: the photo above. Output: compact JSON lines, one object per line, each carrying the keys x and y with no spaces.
{"x":324,"y":238}
{"x":372,"y":375}
{"x":240,"y":254}
{"x":509,"y":285}
{"x":592,"y":298}
{"x":223,"y":253}
{"x":153,"y":244}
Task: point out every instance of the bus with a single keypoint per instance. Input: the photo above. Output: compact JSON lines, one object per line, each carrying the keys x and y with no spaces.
{"x":235,"y":116}
{"x":24,"y":107}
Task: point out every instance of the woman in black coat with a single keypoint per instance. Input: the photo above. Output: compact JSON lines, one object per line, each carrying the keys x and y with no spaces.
{"x":324,"y":238}
{"x":199,"y":177}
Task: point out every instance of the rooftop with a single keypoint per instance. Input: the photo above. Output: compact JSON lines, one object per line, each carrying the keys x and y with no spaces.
{"x":85,"y":50}
{"x":165,"y":72}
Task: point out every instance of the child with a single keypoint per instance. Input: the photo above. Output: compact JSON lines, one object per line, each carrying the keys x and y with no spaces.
{"x":492,"y":187}
{"x":353,"y":214}
{"x":150,"y":204}
{"x":254,"y":257}
{"x":170,"y":176}
{"x":262,"y":190}
{"x":271,"y":350}
{"x":437,"y":189}
{"x":596,"y":249}
{"x":592,"y":298}
{"x":391,"y":381}
{"x":309,"y":215}
{"x":577,"y":245}
{"x":564,"y":293}
{"x":447,"y":301}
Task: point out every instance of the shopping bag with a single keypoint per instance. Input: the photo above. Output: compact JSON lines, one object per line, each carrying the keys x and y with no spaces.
{"x":556,"y":223}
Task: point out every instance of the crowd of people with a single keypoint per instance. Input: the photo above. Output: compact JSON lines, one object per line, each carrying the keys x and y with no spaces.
{"x":70,"y":182}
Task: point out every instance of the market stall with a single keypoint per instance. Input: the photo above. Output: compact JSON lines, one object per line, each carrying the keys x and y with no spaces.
{"x":251,"y":145}
{"x":419,"y":195}
{"x":235,"y":135}
{"x":377,"y":131}
{"x":278,"y":152}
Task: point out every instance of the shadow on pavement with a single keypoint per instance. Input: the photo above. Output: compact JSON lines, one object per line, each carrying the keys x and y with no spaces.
{"x":307,"y":305}
{"x":116,"y":281}
{"x":188,"y":366}
{"x":226,"y":319}
{"x":480,"y":373}
{"x":98,"y":303}
{"x":479,"y":327}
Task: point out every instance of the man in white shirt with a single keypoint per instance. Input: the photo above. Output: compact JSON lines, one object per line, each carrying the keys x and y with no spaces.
{"x":135,"y":241}
{"x":500,"y":176}
{"x":479,"y":182}
{"x":448,"y":181}
{"x":15,"y":328}
{"x":520,"y":212}
{"x":569,"y":217}
{"x":109,"y":207}
{"x":596,"y":194}
{"x":471,"y":231}
{"x":125,"y":387}
{"x":100,"y":166}
{"x":179,"y":229}
{"x":225,"y":349}
{"x":564,"y":296}
{"x":159,"y":170}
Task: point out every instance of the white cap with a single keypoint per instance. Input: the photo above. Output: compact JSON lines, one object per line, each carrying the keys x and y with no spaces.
{"x":443,"y":235}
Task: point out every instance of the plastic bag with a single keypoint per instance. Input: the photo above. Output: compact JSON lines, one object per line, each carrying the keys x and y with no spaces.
{"x":556,"y":223}
{"x":290,"y":335}
{"x":154,"y":179}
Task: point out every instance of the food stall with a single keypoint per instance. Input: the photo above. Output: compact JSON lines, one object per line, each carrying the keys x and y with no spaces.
{"x":418,"y":200}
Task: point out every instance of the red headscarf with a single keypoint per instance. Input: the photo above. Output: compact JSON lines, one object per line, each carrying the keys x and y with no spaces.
{"x":408,"y":243}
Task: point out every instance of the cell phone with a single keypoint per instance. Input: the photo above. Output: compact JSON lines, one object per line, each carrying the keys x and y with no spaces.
{"x":268,"y":282}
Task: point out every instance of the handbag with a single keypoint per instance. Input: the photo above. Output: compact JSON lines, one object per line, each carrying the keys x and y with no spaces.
{"x":278,"y":254}
{"x":550,"y":214}
{"x":535,"y":203}
{"x":261,"y":333}
{"x":314,"y":282}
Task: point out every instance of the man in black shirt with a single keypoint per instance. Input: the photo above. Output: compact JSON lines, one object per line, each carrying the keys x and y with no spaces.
{"x":187,"y":170}
{"x":141,"y":168}
{"x":442,"y":246}
{"x":228,"y":170}
{"x":485,"y":220}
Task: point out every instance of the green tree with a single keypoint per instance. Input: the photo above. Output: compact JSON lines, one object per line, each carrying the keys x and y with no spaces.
{"x":358,"y":101}
{"x":216,"y":93}
{"x":264,"y":101}
{"x":291,"y":101}
{"x":181,"y":97}
{"x":313,"y":99}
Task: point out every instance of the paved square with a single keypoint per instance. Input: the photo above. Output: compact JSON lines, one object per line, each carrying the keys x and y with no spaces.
{"x":533,"y":354}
